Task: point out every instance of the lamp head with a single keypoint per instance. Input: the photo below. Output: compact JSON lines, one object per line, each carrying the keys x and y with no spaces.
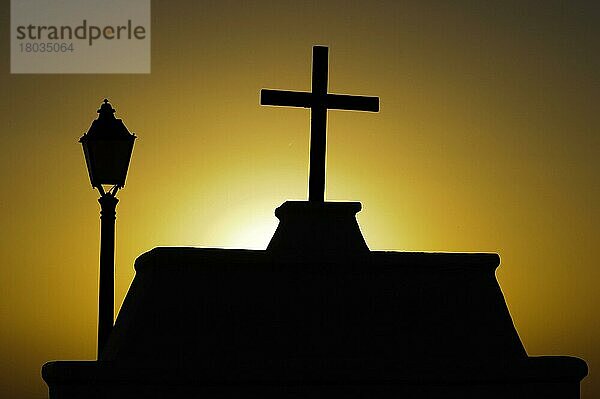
{"x":107,"y":147}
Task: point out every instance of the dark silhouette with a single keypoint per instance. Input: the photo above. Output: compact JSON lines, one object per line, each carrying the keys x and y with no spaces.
{"x":316,"y":315}
{"x":321,"y":230}
{"x":107,"y":148}
{"x":106,"y":276}
{"x":318,"y":101}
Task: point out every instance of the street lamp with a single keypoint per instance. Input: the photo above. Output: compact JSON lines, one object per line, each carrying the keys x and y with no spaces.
{"x":107,"y":147}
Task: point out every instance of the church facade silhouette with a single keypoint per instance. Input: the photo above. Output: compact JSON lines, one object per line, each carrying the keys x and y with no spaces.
{"x":317,"y":314}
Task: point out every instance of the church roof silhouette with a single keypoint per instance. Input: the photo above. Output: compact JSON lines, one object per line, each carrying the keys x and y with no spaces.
{"x":316,"y":314}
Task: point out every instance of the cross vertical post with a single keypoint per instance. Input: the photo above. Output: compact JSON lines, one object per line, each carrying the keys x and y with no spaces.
{"x":318,"y":125}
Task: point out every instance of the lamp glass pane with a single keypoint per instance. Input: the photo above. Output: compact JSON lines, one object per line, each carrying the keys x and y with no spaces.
{"x":108,"y":161}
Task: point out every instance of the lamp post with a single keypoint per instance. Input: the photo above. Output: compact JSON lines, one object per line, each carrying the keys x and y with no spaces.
{"x":107,"y":147}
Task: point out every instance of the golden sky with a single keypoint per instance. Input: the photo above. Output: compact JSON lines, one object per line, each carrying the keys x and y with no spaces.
{"x":487,"y":140}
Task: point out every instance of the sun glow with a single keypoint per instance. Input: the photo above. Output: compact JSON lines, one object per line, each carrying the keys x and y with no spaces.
{"x":253,"y":235}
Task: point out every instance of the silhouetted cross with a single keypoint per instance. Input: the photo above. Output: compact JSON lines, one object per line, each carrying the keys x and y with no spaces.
{"x":319,"y":101}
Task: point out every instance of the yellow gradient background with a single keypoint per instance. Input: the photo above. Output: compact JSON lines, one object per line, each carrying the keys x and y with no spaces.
{"x":487,"y":140}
